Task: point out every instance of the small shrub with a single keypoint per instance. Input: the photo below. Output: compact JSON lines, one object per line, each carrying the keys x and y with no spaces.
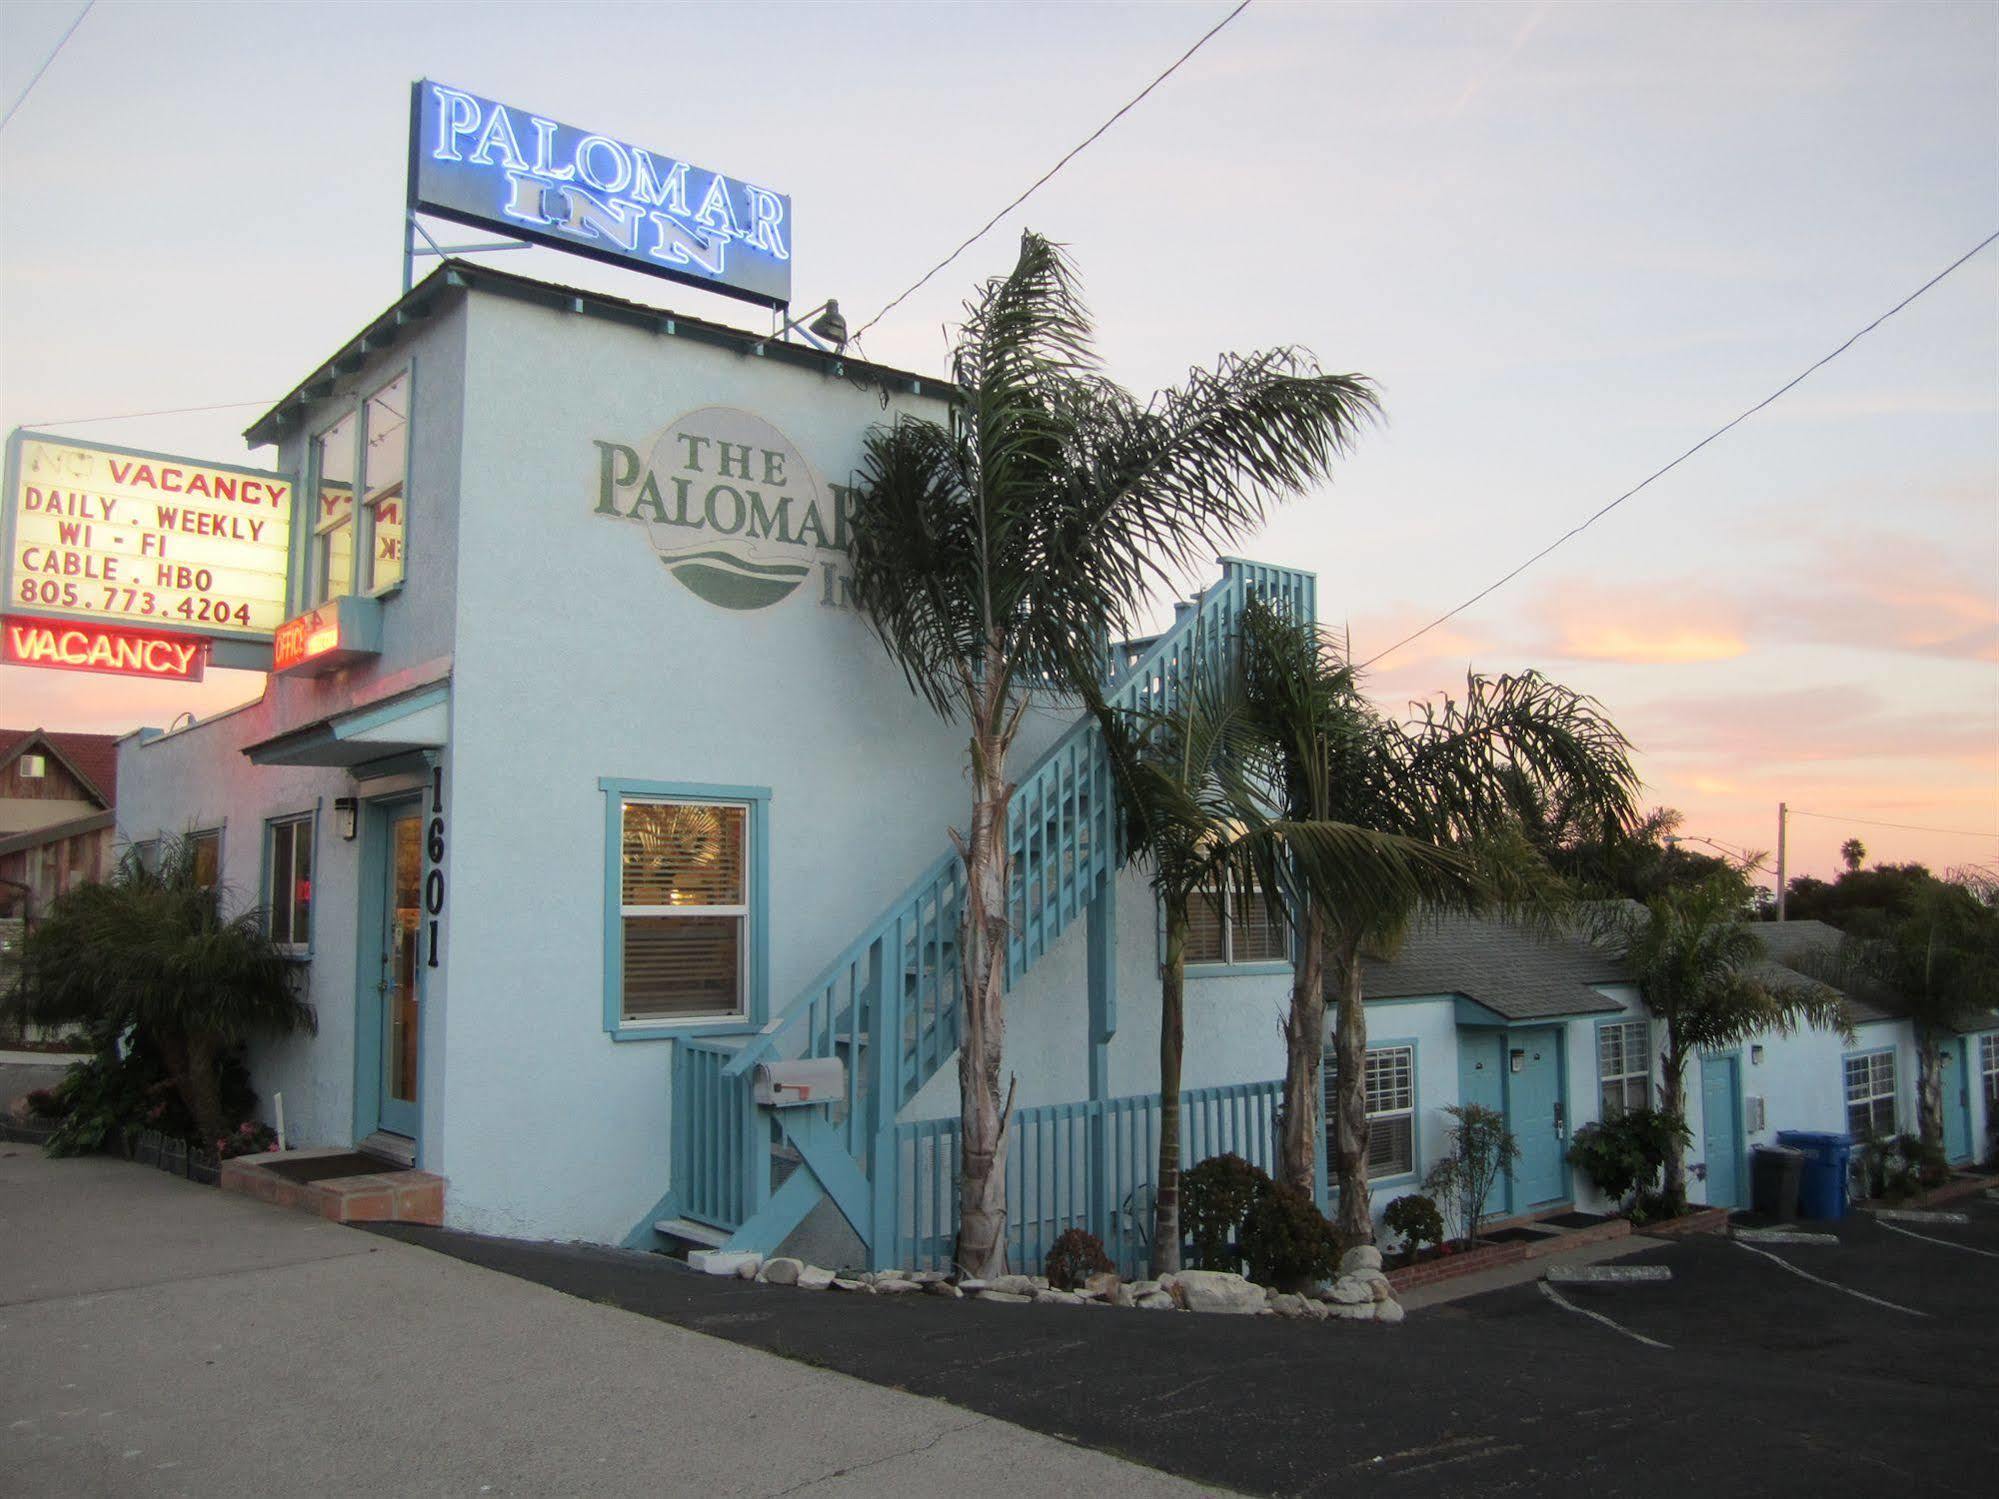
{"x":1287,"y":1240}
{"x":1657,"y":1206}
{"x":1900,"y":1167}
{"x":1215,"y":1196}
{"x":1074,"y":1258}
{"x":251,"y":1137}
{"x":1416,"y":1219}
{"x":1625,"y":1156}
{"x":1481,"y":1149}
{"x":45,"y":1103}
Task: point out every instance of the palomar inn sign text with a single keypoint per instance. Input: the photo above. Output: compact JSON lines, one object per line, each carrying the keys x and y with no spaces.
{"x":498,"y":167}
{"x":732,"y":508}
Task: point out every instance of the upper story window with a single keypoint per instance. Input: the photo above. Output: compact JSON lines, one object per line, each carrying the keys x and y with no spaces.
{"x":1870,"y":1094}
{"x":34,"y":767}
{"x":384,"y":463}
{"x":207,"y":858}
{"x":1624,"y":1066}
{"x":330,"y":571}
{"x":361,"y":548}
{"x":1233,"y":926}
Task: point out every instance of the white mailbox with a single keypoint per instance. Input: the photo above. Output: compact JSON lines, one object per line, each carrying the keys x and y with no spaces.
{"x":787,"y":1085}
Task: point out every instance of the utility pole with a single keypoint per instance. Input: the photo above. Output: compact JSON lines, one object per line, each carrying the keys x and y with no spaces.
{"x":1783,"y":816}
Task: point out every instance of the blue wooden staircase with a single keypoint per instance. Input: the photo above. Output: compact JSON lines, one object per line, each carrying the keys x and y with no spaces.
{"x":743,"y":1177}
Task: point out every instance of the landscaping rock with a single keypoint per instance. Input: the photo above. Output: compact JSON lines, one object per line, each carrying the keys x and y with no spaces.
{"x":943,"y":1288}
{"x":927,"y":1277}
{"x":1382,"y":1290}
{"x":1349,"y":1290}
{"x":749,"y":1269}
{"x":1217,"y":1291}
{"x":1013,"y":1285}
{"x":1360,"y":1257}
{"x":781,"y":1271}
{"x":1362,"y":1312}
{"x":1057,"y":1298}
{"x":841,"y":1283}
{"x":971,"y":1285}
{"x":1390,"y":1312}
{"x":1156,"y":1301}
{"x":882,"y":1275}
{"x":1104,"y":1283}
{"x":812,"y":1278}
{"x":1287,"y":1305}
{"x":1144,"y":1287}
{"x":1009,"y":1296}
{"x":897,"y":1288}
{"x":1318,"y":1311}
{"x":1122,"y":1297}
{"x":724,"y":1261}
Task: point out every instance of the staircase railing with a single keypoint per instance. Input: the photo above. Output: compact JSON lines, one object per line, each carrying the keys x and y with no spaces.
{"x":888,"y":1004}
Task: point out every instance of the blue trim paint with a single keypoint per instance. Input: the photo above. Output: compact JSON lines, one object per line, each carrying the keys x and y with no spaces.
{"x":1198,"y":971}
{"x":370,"y":943}
{"x":1739,"y":1162}
{"x":756,"y":969}
{"x":264,"y":892}
{"x":1954,"y":1055}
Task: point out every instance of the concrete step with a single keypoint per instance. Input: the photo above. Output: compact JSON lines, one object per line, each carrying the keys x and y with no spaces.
{"x":690,"y":1233}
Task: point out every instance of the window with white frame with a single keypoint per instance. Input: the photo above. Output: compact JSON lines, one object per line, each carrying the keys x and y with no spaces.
{"x":1624,"y":1066}
{"x":330,"y":568}
{"x":1988,"y":1068}
{"x":1236,"y":926}
{"x":289,"y":898}
{"x":1870,"y":1094}
{"x":384,"y":461}
{"x":34,"y":767}
{"x":684,"y":909}
{"x":1391,"y":1111}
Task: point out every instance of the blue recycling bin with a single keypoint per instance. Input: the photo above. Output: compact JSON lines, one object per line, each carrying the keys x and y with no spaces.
{"x":1822,"y":1189}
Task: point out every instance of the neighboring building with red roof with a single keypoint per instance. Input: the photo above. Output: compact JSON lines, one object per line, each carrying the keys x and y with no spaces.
{"x":58,"y":794}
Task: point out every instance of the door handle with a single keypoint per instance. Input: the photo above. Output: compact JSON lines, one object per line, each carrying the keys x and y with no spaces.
{"x":1558,"y":1119}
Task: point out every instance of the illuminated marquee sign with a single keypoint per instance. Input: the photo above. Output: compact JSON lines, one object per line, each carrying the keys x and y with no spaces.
{"x":493,"y":166}
{"x":111,"y":649}
{"x":175,"y":545}
{"x":732,"y":508}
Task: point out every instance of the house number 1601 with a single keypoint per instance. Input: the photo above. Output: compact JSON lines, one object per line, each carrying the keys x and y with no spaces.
{"x":433,"y":885}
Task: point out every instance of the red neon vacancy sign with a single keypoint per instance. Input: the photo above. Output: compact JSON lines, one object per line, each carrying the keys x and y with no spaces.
{"x":111,"y":649}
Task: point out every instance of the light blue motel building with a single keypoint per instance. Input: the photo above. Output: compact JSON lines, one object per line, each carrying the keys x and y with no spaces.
{"x":582,"y":792}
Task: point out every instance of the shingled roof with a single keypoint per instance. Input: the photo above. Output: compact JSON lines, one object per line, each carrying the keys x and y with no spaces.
{"x":1793,"y":945}
{"x":1515,"y":972}
{"x":92,"y":756}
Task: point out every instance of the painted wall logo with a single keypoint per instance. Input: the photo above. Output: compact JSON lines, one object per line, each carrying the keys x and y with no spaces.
{"x":732,"y":508}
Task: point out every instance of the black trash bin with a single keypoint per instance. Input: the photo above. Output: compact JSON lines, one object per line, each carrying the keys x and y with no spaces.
{"x":1775,"y":1174}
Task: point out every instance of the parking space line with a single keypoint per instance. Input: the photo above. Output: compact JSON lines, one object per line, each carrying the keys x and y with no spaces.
{"x":1567,"y":1305}
{"x":1892,"y":1306}
{"x":1932,"y":1239}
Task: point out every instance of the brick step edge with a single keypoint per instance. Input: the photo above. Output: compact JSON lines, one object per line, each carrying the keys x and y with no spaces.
{"x":1485,"y":1257}
{"x":1703,"y":1221}
{"x":1575,"y":1238}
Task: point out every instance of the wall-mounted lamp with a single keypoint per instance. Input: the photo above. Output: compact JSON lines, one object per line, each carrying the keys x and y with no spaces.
{"x":1518,"y":1060}
{"x":346,"y":817}
{"x":1755,"y":1056}
{"x":827,"y":332}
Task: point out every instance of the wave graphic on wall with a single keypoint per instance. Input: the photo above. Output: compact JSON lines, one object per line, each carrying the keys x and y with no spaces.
{"x":734,"y":582}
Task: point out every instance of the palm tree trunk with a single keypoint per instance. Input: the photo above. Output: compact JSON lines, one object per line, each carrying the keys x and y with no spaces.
{"x":1304,"y":1057}
{"x":1673,"y":1090}
{"x":1172,"y":1038}
{"x":985,"y":1119}
{"x":203,"y":1086}
{"x":1356,"y":1217}
{"x":1929,"y":1090}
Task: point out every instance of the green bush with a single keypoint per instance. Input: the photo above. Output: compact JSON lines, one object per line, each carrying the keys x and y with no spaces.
{"x":1287,"y":1240}
{"x":1625,"y":1156}
{"x":1899,"y":1167}
{"x":1215,"y":1196}
{"x":1416,"y":1219}
{"x":1481,"y":1149}
{"x":1074,"y":1258}
{"x":1657,"y":1206}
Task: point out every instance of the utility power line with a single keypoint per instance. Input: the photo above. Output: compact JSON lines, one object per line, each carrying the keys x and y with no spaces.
{"x":128,"y":416}
{"x":1907,"y":827}
{"x":22,"y":97}
{"x":1785,"y":388}
{"x":1068,"y":156}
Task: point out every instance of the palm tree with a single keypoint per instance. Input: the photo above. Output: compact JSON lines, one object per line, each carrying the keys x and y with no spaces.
{"x":1381,"y":820}
{"x":1852,"y":854}
{"x":994,"y":552}
{"x":1183,"y":783}
{"x":1937,"y":963}
{"x":1702,"y":969}
{"x":151,"y":949}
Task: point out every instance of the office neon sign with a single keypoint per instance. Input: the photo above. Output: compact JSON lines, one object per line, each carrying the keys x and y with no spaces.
{"x":494,"y":166}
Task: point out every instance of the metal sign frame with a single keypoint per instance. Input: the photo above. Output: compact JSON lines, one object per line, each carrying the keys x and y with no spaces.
{"x":258,"y":641}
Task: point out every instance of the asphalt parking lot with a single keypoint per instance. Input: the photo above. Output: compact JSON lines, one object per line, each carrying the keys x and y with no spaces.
{"x":1751,"y":1376}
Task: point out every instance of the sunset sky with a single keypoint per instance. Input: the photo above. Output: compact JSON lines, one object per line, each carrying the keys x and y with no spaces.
{"x":1567,"y":241}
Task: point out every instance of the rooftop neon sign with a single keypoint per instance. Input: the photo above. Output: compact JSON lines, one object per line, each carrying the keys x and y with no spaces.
{"x":495,"y":166}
